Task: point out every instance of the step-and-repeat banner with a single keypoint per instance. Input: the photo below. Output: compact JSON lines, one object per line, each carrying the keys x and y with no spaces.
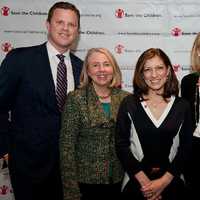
{"x":125,"y":27}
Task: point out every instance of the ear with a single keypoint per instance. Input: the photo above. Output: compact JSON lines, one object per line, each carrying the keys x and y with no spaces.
{"x":47,"y":25}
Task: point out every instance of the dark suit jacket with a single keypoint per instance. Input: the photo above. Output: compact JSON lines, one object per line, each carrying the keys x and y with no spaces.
{"x":27,"y":89}
{"x":190,"y":92}
{"x":4,"y":124}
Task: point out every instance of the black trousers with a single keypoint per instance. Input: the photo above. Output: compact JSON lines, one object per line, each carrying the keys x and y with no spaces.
{"x":175,"y":191}
{"x":26,"y":189}
{"x":100,"y":191}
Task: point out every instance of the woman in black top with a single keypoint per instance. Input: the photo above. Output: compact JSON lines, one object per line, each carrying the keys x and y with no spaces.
{"x":190,"y":87}
{"x":153,"y":133}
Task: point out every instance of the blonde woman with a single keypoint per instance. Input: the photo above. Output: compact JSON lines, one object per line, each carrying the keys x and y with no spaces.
{"x":89,"y":165}
{"x":190,"y":87}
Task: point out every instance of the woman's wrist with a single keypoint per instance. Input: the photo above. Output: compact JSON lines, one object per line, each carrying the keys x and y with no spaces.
{"x":142,"y":178}
{"x":167,"y":178}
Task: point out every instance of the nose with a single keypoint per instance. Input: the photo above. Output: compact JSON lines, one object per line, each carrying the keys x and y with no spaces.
{"x":65,"y":26}
{"x":154,"y":73}
{"x":101,"y":67}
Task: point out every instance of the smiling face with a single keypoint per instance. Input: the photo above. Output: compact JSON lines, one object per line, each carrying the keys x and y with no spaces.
{"x":155,"y":74}
{"x":100,"y":70}
{"x":62,"y":29}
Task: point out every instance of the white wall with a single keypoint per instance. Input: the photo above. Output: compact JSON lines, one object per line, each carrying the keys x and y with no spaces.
{"x":125,"y":27}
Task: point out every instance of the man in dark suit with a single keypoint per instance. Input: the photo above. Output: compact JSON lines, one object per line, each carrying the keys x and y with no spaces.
{"x":28,"y":89}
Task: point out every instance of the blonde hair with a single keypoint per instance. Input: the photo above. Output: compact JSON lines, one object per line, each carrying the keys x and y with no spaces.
{"x":85,"y":79}
{"x":195,"y":54}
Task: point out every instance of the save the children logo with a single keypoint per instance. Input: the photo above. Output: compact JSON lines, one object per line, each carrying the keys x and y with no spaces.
{"x":6,"y":47}
{"x":119,"y":48}
{"x":176,"y":67}
{"x":4,"y":190}
{"x":176,"y":31}
{"x":5,"y":11}
{"x":119,"y":13}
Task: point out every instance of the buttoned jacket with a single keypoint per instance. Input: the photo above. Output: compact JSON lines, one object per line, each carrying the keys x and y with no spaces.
{"x":87,"y":145}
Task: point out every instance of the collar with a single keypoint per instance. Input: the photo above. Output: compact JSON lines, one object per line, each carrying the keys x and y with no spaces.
{"x":95,"y":108}
{"x":93,"y":93}
{"x":53,"y":51}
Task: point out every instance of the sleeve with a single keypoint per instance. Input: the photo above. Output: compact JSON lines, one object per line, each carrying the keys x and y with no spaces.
{"x":68,"y":138}
{"x":184,"y":88}
{"x":123,"y":131}
{"x":185,"y":144}
{"x":9,"y":80}
{"x":10,"y":73}
{"x":4,"y":139}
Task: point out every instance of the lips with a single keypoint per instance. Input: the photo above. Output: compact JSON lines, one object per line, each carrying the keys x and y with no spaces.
{"x":101,"y":76}
{"x":155,"y":81}
{"x":65,"y":35}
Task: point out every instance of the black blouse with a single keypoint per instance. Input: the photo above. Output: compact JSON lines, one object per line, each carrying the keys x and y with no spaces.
{"x":144,"y":142}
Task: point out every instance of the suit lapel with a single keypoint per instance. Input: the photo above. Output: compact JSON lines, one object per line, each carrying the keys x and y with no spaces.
{"x":45,"y":79}
{"x":76,"y":68}
{"x":115,"y":101}
{"x":95,"y":110}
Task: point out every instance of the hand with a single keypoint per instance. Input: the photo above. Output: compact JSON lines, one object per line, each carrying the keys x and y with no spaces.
{"x":154,"y":197}
{"x":153,"y":190}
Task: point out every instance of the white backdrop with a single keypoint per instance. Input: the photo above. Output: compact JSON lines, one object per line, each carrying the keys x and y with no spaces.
{"x":125,"y":27}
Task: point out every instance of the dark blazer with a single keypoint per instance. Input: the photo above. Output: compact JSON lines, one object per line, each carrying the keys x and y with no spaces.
{"x":190,"y":92}
{"x":27,"y":89}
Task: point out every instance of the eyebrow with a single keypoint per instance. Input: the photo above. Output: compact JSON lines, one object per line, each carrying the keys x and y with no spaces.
{"x":159,"y":65}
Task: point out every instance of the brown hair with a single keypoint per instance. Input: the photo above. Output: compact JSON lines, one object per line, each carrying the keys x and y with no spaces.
{"x":85,"y":79}
{"x":66,"y":6}
{"x":139,"y":85}
{"x":195,"y":54}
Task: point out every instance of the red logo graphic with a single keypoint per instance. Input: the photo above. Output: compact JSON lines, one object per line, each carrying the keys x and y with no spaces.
{"x":5,"y":11}
{"x":119,"y":13}
{"x":6,"y":47}
{"x":176,"y":67}
{"x":176,"y":31}
{"x":119,"y":48}
{"x":4,"y":190}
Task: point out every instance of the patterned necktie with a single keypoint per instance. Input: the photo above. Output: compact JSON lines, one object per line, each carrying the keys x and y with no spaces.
{"x":61,"y":89}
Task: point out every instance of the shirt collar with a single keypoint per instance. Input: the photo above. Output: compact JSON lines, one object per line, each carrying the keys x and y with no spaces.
{"x":53,"y":51}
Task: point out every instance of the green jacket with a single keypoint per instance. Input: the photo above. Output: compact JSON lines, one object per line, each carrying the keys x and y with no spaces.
{"x":87,"y":147}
